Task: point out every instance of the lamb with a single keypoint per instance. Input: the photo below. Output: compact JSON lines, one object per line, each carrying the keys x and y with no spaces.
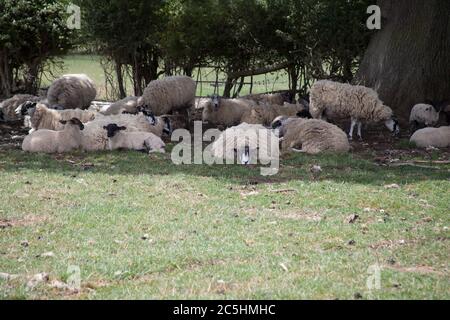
{"x":423,"y":115}
{"x":169,"y":94}
{"x":50,"y":141}
{"x":45,"y":118}
{"x":226,"y":112}
{"x":264,"y":114}
{"x":8,"y":107}
{"x":128,"y":105}
{"x":244,"y":141}
{"x":271,"y":98}
{"x":358,"y":102}
{"x":71,"y":91}
{"x":94,"y":136}
{"x":140,"y":141}
{"x":311,"y":136}
{"x":432,"y":137}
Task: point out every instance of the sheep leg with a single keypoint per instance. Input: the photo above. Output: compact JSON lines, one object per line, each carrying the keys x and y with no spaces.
{"x":352,"y":128}
{"x":359,"y":130}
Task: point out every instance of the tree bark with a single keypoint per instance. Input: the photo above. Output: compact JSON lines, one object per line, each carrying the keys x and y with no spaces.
{"x":6,"y":75}
{"x":408,"y":60}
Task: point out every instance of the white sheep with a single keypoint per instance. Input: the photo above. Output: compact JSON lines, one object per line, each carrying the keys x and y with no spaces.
{"x":310,"y":136}
{"x":170,"y":94}
{"x":128,"y":105}
{"x":50,"y":141}
{"x":71,"y":91}
{"x":140,"y":141}
{"x":423,"y":115}
{"x":42,"y":117}
{"x":246,"y":142}
{"x":360,"y":103}
{"x":9,"y":107}
{"x":265,"y":114}
{"x":278,"y":98}
{"x":226,"y":112}
{"x":432,"y":137}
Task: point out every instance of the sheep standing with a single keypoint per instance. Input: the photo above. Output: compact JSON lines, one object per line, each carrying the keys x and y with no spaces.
{"x":128,"y":105}
{"x":140,"y":141}
{"x":71,"y":91}
{"x":8,"y":107}
{"x":423,"y":115}
{"x":44,"y":118}
{"x":311,"y":136}
{"x":432,"y":137}
{"x":344,"y":100}
{"x":226,"y":112}
{"x":164,"y":96}
{"x":50,"y":141}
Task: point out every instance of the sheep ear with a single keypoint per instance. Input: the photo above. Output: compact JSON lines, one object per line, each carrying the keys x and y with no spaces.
{"x":62,"y":121}
{"x":105,"y":127}
{"x":123,"y":128}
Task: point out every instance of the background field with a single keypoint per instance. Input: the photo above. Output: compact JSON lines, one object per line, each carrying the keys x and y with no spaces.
{"x":90,"y":65}
{"x":141,"y":227}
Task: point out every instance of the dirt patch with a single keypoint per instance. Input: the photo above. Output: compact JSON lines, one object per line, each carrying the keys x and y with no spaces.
{"x":22,"y":222}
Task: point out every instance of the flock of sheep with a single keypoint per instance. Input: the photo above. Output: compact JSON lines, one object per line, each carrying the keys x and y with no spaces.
{"x":65,"y":119}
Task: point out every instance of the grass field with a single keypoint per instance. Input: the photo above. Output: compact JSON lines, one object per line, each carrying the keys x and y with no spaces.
{"x":90,"y":65}
{"x":141,"y":227}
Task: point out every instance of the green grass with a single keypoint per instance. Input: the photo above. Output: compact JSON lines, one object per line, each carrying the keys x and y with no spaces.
{"x":223,"y":231}
{"x":90,"y":65}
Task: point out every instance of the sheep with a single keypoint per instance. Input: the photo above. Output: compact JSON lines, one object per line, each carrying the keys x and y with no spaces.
{"x":423,"y":115}
{"x":140,"y":141}
{"x":432,"y":137}
{"x":44,"y":118}
{"x":95,"y":139}
{"x":244,"y":141}
{"x":50,"y":141}
{"x":128,"y":105}
{"x":71,"y":91}
{"x":164,"y":96}
{"x":311,"y":136}
{"x":330,"y":98}
{"x":8,"y":107}
{"x":226,"y":112}
{"x":264,"y":114}
{"x":271,"y":98}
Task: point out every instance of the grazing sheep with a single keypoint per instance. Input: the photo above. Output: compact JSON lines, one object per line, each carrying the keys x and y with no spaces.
{"x":169,"y":94}
{"x":311,"y":136}
{"x":94,"y":136}
{"x":271,"y":98}
{"x":50,"y":141}
{"x":128,"y":105}
{"x":244,"y":142}
{"x":344,"y":100}
{"x":227,"y":112}
{"x":140,"y":141}
{"x":44,"y":118}
{"x":264,"y":114}
{"x":71,"y":91}
{"x":432,"y":137}
{"x":423,"y":115}
{"x":8,"y":107}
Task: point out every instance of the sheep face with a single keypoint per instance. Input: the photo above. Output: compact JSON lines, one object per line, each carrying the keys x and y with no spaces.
{"x":112,"y":129}
{"x":74,"y":122}
{"x":167,"y":129}
{"x":215,"y":100}
{"x":393,"y":126}
{"x":25,"y":108}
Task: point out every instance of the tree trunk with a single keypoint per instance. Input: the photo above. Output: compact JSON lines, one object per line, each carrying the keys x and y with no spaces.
{"x":408,"y":60}
{"x":5,"y":75}
{"x":120,"y":81}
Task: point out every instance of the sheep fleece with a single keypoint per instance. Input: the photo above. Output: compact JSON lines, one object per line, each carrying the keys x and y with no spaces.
{"x":432,"y":137}
{"x":72,"y":91}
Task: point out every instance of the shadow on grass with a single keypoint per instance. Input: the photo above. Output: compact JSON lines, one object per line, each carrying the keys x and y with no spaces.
{"x":350,"y":168}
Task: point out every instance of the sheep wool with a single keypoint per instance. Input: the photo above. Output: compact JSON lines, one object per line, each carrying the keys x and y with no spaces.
{"x":166,"y":95}
{"x":255,"y":140}
{"x":432,"y":137}
{"x":137,"y":141}
{"x":270,"y":98}
{"x":228,"y":113}
{"x":129,"y":105}
{"x":424,"y":114}
{"x":45,"y":118}
{"x":265,"y":114}
{"x":9,"y":106}
{"x":313,"y":137}
{"x":50,"y":141}
{"x":72,"y":91}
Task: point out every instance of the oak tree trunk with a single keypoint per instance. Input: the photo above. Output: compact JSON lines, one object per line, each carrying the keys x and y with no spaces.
{"x":408,"y":60}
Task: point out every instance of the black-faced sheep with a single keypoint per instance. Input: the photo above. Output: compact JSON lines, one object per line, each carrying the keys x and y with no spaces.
{"x":71,"y":91}
{"x":140,"y":141}
{"x":8,"y":107}
{"x":49,"y":141}
{"x":359,"y":103}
